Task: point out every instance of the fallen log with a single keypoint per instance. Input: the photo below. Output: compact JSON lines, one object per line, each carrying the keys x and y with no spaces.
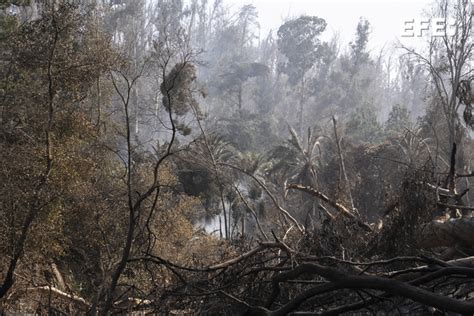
{"x":450,"y":233}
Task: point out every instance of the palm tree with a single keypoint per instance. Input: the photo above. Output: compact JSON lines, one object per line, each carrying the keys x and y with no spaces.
{"x":298,"y":160}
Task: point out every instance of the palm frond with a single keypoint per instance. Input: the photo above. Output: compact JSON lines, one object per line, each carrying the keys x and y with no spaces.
{"x":295,"y":141}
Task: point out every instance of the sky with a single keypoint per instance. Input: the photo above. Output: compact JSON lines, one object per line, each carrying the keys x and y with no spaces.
{"x":386,"y":16}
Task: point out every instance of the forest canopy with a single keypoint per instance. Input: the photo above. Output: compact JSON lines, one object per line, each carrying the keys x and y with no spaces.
{"x":167,"y":157}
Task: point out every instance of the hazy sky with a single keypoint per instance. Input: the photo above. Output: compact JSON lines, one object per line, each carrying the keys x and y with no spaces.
{"x":386,"y":16}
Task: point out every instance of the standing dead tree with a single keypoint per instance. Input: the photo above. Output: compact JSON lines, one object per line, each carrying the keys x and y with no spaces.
{"x":448,"y":61}
{"x":171,"y":60}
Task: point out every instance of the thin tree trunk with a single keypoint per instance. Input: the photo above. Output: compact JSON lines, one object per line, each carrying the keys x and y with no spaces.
{"x":301,"y":110}
{"x":99,"y":108}
{"x":8,"y":281}
{"x":342,"y":164}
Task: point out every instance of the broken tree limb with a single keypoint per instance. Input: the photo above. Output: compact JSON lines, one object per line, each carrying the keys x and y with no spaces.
{"x":262,"y":246}
{"x":467,"y":175}
{"x":59,"y":293}
{"x":339,"y":280}
{"x":338,"y":206}
{"x":445,"y":192}
{"x":418,"y":275}
{"x":459,"y":207}
{"x":267,"y":191}
{"x":59,"y":277}
{"x":417,"y":281}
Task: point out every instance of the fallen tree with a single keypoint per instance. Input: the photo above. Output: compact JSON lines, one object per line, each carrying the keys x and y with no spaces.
{"x":454,"y":232}
{"x":291,"y":277}
{"x":260,"y":282}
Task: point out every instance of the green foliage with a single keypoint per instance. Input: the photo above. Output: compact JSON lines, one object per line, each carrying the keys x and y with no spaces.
{"x":8,"y":24}
{"x":247,"y":132}
{"x":197,"y":173}
{"x":248,"y":23}
{"x":298,"y":159}
{"x":298,"y":41}
{"x":50,"y":64}
{"x":347,"y":82}
{"x":239,"y":73}
{"x":56,"y":75}
{"x":177,"y":89}
{"x":363,"y":126}
{"x":359,"y":52}
{"x":398,"y":119}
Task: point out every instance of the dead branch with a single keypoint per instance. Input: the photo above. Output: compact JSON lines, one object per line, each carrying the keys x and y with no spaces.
{"x":459,"y":207}
{"x":267,"y":191}
{"x":339,"y":280}
{"x":261,"y":247}
{"x":340,"y":207}
{"x":59,"y":293}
